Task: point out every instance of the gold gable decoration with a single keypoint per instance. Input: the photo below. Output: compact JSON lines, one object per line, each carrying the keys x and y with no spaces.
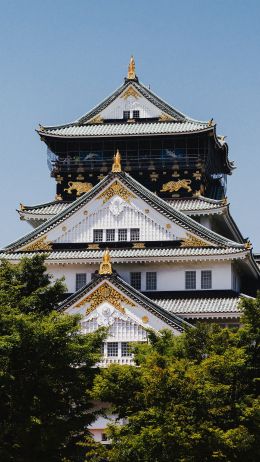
{"x":165,"y":118}
{"x":97,"y":120}
{"x":105,"y":266}
{"x":39,"y":244}
{"x":193,"y":241}
{"x":116,"y":167}
{"x":116,"y":189}
{"x":105,"y":293}
{"x":130,"y":91}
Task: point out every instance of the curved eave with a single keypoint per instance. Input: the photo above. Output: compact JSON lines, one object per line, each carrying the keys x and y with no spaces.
{"x":46,"y":134}
{"x":223,"y":146}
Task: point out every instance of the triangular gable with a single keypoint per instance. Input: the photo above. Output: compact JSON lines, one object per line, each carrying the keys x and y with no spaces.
{"x":157,"y":220}
{"x":109,"y":299}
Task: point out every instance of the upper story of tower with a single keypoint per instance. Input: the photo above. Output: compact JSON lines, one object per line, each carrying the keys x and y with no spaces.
{"x":170,"y":153}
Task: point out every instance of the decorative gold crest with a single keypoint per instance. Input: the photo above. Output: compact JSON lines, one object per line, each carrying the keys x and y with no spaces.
{"x":138,"y":245}
{"x":97,"y":120}
{"x":173,"y":186}
{"x":116,"y":189}
{"x":193,"y":241}
{"x":79,"y":187}
{"x":130,"y":91}
{"x":39,"y":244}
{"x":116,"y":167}
{"x":165,"y":117}
{"x":105,"y":293}
{"x":131,"y":69}
{"x":93,"y":246}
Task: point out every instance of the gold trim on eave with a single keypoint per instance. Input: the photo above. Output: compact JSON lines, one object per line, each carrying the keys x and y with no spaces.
{"x":105,"y":266}
{"x":116,"y":167}
{"x":193,"y":241}
{"x":40,"y":244}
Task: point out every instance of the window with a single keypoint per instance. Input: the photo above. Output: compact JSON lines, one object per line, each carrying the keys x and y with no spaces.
{"x":125,"y":349}
{"x":98,"y":235}
{"x":206,"y":279}
{"x":112,"y":349}
{"x":103,"y":437}
{"x":81,"y":280}
{"x":126,"y":115}
{"x":135,"y":280}
{"x":122,"y":234}
{"x":134,"y":234}
{"x":151,"y":281}
{"x":190,"y":280}
{"x":102,"y":348}
{"x":136,"y":114}
{"x":110,"y":235}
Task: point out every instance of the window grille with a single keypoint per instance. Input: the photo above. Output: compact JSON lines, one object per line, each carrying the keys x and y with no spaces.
{"x":135,"y":280}
{"x":125,"y":349}
{"x":126,"y":114}
{"x":98,"y":235}
{"x":122,"y":234}
{"x":206,"y":279}
{"x":110,"y":235}
{"x":134,"y":234}
{"x":190,"y":280}
{"x":81,"y":280}
{"x":112,"y":349}
{"x":136,"y":114}
{"x":102,"y":348}
{"x":151,"y":281}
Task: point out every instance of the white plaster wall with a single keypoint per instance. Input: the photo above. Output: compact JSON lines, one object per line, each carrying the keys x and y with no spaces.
{"x":170,"y":276}
{"x":115,"y":109}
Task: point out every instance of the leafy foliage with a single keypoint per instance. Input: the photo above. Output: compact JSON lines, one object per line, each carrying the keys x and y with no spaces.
{"x":193,"y":398}
{"x":46,"y":369}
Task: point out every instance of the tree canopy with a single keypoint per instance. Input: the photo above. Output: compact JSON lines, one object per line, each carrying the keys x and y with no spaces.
{"x":46,"y":368}
{"x":192,"y":398}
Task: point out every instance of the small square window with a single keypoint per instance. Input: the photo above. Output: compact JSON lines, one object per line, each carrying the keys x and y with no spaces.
{"x":103,"y":437}
{"x":122,"y":234}
{"x":136,"y":114}
{"x":206,"y":279}
{"x":125,"y":349}
{"x":112,"y":349}
{"x":98,"y":235}
{"x":126,"y":115}
{"x":135,"y":280}
{"x":110,"y":235}
{"x":134,"y":234}
{"x":190,"y":280}
{"x":151,"y":281}
{"x":81,"y":280}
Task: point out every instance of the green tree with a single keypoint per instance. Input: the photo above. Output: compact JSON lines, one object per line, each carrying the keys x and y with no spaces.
{"x":46,"y":369}
{"x":192,"y":398}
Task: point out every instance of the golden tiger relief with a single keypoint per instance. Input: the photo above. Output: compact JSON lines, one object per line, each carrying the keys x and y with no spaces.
{"x":173,"y":186}
{"x":79,"y":187}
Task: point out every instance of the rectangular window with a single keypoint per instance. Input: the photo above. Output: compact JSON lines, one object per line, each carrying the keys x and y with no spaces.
{"x":122,"y":234}
{"x":151,"y":281}
{"x":136,"y":114}
{"x":125,"y":349}
{"x":97,"y":235}
{"x":110,"y":235}
{"x":206,"y":279}
{"x":134,"y":234}
{"x":81,"y":280}
{"x":112,"y":349}
{"x":190,"y":280}
{"x":135,"y":280}
{"x":126,"y":114}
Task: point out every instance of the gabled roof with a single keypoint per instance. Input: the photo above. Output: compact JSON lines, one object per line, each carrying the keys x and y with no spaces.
{"x":169,"y":318}
{"x":150,"y":198}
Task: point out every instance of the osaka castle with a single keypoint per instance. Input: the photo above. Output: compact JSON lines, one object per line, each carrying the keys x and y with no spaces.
{"x":140,"y":227}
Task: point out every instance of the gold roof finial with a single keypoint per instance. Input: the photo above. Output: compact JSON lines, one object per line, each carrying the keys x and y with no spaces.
{"x":105,"y":266}
{"x":131,"y":69}
{"x":116,"y":167}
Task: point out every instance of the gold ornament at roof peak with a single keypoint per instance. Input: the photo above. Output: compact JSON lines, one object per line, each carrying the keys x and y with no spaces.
{"x":105,"y":266}
{"x":116,"y":167}
{"x":131,"y":69}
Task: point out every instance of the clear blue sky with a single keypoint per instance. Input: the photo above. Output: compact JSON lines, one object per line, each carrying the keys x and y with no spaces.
{"x":59,"y":58}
